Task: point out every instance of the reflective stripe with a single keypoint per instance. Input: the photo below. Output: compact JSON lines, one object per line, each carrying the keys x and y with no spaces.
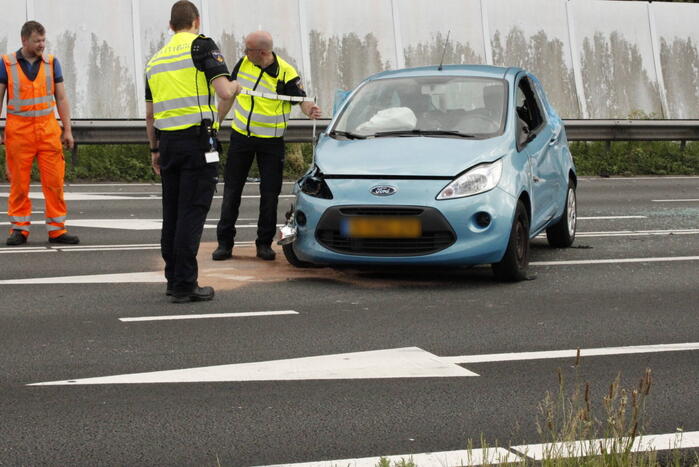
{"x":26,"y":102}
{"x":171,"y":122}
{"x":31,"y":113}
{"x":15,"y":77}
{"x":53,"y":228}
{"x":172,"y":104}
{"x":170,"y":57}
{"x":247,"y":75}
{"x":49,"y":76}
{"x":260,"y":118}
{"x":20,"y":227}
{"x":57,"y":220}
{"x":263,"y":131}
{"x":21,"y":218}
{"x":246,"y":82}
{"x":170,"y":66}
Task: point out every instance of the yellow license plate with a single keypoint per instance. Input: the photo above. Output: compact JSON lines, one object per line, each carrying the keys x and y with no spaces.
{"x":384,"y":227}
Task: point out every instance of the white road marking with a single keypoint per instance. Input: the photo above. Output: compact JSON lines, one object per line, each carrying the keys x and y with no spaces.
{"x":87,"y":248}
{"x":209,"y":315}
{"x":129,"y":277}
{"x":610,"y":217}
{"x":691,"y":200}
{"x":632,"y":233}
{"x":638,"y":233}
{"x":80,"y":196}
{"x":596,"y":352}
{"x":463,"y":457}
{"x":538,"y":452}
{"x":574,"y":262}
{"x":408,"y":362}
{"x":669,"y":441}
{"x":133,"y":224}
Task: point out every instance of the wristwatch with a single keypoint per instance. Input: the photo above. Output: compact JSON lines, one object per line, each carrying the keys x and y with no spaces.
{"x":152,"y":150}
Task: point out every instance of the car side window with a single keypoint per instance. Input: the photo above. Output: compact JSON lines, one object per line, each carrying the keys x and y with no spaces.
{"x":529,"y":112}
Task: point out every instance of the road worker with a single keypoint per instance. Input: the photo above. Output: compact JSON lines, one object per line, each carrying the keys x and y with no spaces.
{"x":34,"y":84}
{"x":181,"y":122}
{"x":258,"y":129}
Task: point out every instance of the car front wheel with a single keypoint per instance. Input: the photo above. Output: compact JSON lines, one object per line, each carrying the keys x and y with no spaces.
{"x":514,"y":265}
{"x":562,"y":233}
{"x":294,"y":260}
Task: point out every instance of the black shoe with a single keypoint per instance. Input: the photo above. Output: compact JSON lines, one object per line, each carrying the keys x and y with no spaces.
{"x":169,"y":292}
{"x":16,"y":238}
{"x":266,"y":252}
{"x":222,"y":253}
{"x":199,"y":294}
{"x":66,"y":239}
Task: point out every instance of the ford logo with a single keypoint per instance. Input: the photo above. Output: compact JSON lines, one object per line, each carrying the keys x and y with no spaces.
{"x":383,"y":190}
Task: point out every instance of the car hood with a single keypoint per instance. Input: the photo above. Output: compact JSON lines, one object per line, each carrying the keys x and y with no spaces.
{"x":409,"y":156}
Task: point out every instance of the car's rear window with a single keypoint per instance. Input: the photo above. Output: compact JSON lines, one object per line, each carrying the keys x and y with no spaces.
{"x":464,"y":105}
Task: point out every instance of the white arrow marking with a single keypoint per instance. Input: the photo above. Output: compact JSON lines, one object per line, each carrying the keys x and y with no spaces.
{"x":129,"y":277}
{"x":511,"y":357}
{"x":408,"y":362}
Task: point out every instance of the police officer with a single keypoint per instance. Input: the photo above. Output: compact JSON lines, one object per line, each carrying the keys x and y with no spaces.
{"x":181,"y":119}
{"x":258,"y":130}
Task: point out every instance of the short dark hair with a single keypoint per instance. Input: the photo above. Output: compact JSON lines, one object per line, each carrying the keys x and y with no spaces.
{"x":182,"y":15}
{"x":32,"y":26}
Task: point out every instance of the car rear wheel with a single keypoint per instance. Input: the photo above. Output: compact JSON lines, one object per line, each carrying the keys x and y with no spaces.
{"x":294,"y":260}
{"x":562,"y":233}
{"x":515,"y":263}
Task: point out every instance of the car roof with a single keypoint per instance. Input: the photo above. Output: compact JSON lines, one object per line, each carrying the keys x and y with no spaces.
{"x":483,"y":71}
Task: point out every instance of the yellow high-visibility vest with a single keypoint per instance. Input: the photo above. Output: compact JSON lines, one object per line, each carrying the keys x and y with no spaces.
{"x":259,"y":116}
{"x":181,"y":93}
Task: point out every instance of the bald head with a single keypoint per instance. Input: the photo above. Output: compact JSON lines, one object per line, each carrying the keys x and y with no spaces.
{"x":258,"y":48}
{"x":259,"y":40}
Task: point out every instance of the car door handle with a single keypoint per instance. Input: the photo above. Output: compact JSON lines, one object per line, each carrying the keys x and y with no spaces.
{"x":536,"y":179}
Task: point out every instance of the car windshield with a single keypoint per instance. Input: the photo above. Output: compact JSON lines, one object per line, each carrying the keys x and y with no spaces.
{"x":441,"y":106}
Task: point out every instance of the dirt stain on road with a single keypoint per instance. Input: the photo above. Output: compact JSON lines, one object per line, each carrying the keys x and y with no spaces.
{"x":245,"y":269}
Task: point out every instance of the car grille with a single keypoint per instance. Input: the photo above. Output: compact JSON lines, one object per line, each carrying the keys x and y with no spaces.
{"x":437,"y":234}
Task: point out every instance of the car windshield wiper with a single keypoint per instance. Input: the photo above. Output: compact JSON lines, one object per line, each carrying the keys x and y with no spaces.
{"x":346,"y":134}
{"x":423,"y":133}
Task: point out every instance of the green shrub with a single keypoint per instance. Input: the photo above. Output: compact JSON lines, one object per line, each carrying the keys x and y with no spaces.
{"x":131,"y":162}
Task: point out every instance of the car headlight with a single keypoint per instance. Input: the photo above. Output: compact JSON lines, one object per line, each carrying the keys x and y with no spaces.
{"x":314,"y":185}
{"x":479,"y":179}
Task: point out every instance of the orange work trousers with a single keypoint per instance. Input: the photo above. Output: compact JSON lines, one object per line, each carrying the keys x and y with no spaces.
{"x":27,"y":139}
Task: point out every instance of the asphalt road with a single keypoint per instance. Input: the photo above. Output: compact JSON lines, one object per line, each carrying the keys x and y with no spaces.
{"x":631,"y":279}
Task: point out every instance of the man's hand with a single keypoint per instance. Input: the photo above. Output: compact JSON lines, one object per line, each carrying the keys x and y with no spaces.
{"x":155,"y":162}
{"x":311,"y":110}
{"x":67,"y":139}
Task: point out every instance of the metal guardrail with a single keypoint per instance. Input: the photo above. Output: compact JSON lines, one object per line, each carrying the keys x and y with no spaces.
{"x":301,"y":131}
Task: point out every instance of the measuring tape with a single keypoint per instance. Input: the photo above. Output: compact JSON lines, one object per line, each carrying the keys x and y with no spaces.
{"x":277,"y":97}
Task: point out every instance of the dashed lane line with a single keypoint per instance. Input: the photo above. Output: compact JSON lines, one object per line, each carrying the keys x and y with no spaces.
{"x":576,"y":262}
{"x":209,"y":316}
{"x":690,"y":200}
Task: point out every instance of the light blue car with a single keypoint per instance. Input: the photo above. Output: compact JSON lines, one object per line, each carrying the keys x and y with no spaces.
{"x":456,"y":166}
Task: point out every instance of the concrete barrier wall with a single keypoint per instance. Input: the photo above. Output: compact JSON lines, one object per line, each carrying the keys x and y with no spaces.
{"x":596,"y":58}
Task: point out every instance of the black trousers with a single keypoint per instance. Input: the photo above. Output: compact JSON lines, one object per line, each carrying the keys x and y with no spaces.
{"x":270,"y":161}
{"x":188,"y":188}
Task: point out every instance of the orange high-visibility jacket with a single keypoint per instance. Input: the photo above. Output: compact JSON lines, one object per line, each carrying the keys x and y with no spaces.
{"x":31,"y":128}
